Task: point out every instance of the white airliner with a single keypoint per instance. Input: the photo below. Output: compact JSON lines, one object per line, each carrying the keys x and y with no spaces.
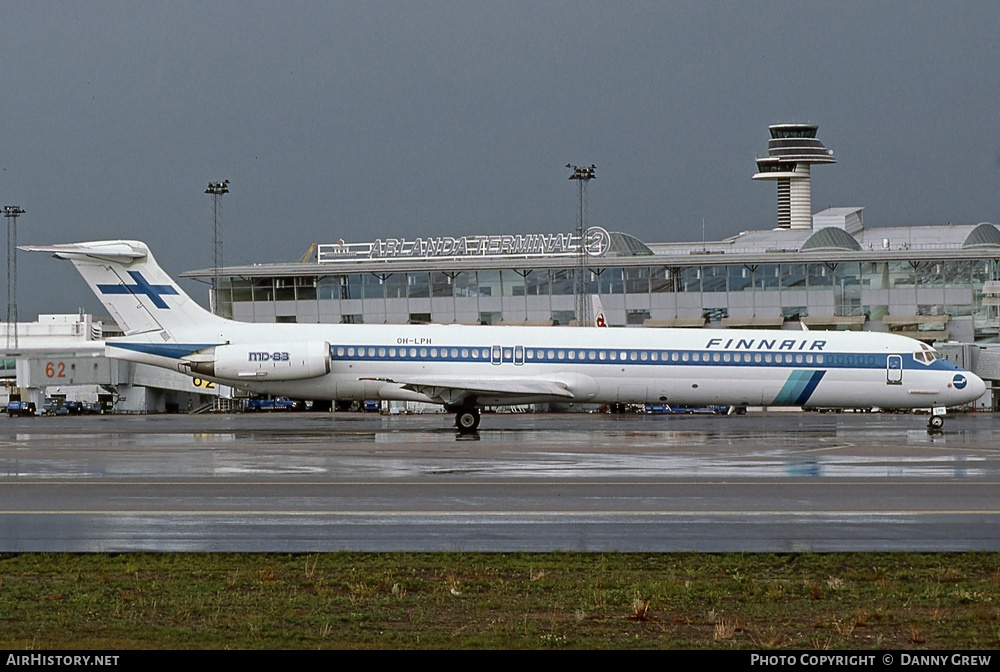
{"x":467,"y":367}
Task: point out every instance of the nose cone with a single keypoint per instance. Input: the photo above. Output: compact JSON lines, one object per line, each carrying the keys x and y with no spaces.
{"x":968,"y":386}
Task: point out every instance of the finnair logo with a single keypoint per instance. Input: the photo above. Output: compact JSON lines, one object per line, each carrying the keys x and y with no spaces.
{"x":959,"y":381}
{"x":141,"y":287}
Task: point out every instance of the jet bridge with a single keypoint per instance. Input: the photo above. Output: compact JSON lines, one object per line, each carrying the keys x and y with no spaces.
{"x":139,"y":388}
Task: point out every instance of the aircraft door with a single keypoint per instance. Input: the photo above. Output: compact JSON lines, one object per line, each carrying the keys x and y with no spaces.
{"x":894,"y":370}
{"x":505,"y":354}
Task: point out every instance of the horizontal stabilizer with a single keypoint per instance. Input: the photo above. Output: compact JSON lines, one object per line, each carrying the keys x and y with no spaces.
{"x":111,"y":250}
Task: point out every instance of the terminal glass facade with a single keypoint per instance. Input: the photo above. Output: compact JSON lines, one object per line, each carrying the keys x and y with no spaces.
{"x":631,"y":294}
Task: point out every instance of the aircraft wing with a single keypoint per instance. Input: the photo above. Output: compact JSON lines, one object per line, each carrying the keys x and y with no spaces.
{"x":449,"y":390}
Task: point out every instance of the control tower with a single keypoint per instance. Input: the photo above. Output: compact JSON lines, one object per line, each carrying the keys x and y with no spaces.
{"x":790,"y":151}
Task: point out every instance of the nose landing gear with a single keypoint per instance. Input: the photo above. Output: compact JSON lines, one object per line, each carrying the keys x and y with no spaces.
{"x":936,"y":421}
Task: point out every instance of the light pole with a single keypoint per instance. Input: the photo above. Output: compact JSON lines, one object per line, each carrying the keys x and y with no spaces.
{"x":12,"y":212}
{"x":582,"y":175}
{"x":216,"y":190}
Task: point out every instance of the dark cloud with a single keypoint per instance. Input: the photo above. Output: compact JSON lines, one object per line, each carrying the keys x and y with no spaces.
{"x":356,"y":120}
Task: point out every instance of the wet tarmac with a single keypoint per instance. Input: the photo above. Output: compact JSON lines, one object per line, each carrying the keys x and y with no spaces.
{"x":322,"y":482}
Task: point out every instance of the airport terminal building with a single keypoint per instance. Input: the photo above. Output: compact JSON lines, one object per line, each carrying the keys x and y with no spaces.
{"x":935,"y":283}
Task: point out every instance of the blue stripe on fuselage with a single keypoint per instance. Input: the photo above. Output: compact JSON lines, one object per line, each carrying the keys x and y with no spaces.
{"x":626,"y":356}
{"x":809,"y":388}
{"x":798,"y":388}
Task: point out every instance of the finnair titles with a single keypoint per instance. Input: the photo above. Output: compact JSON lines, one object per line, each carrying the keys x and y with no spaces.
{"x":766,"y":344}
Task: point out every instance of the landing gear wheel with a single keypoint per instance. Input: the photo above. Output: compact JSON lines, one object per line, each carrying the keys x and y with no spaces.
{"x":936,"y":422}
{"x":467,"y":420}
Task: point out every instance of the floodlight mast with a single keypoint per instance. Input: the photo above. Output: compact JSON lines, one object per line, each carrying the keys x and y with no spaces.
{"x":582,"y":175}
{"x":216,"y":190}
{"x":12,"y":212}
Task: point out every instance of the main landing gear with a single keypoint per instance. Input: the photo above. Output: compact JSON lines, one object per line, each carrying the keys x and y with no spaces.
{"x":467,"y":420}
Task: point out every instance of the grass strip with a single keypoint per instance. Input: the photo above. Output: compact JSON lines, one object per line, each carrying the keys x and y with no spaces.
{"x":500,"y":601}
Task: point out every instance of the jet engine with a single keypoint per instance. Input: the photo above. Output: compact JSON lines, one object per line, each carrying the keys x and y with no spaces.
{"x":261,"y":361}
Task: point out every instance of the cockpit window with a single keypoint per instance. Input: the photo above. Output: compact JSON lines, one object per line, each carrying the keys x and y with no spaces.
{"x":926,"y":354}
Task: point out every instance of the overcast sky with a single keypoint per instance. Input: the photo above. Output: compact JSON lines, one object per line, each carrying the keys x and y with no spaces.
{"x":360,"y":120}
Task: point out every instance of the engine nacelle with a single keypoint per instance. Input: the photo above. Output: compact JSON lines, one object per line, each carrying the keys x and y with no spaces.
{"x":262,"y":361}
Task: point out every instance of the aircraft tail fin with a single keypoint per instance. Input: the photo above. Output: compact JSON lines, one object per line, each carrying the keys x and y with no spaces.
{"x":140,"y":296}
{"x":597,"y":310}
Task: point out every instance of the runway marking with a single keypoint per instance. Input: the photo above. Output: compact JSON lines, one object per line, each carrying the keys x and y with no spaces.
{"x":494,"y":513}
{"x":569,"y":481}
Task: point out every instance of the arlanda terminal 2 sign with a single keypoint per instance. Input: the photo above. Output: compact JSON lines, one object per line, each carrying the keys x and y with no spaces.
{"x":595,"y":244}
